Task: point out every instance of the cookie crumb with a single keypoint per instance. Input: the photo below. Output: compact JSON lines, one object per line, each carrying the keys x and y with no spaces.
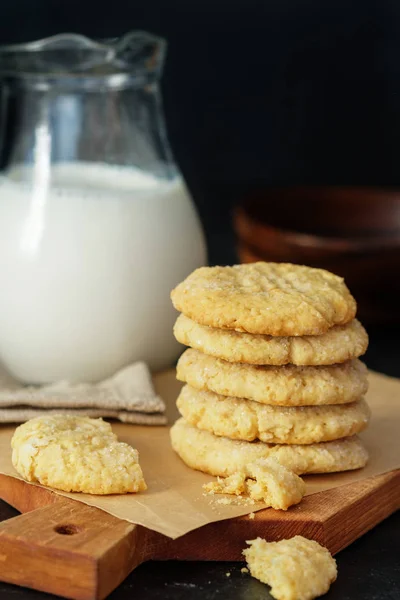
{"x":228,"y":574}
{"x":234,"y":484}
{"x":225,"y":501}
{"x":296,"y":569}
{"x":244,"y":570}
{"x":264,"y":480}
{"x":252,"y":515}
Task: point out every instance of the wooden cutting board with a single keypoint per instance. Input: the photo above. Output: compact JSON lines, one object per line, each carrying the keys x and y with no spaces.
{"x":67,"y":548}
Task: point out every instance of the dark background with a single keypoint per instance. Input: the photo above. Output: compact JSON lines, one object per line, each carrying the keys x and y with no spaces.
{"x":262,"y":92}
{"x":257,"y":92}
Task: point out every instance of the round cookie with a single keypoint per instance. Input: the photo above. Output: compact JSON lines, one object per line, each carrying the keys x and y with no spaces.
{"x":246,"y":420}
{"x":241,"y":419}
{"x":266,"y":298}
{"x":338,"y":344}
{"x":76,"y":454}
{"x":221,"y":456}
{"x":283,"y":386}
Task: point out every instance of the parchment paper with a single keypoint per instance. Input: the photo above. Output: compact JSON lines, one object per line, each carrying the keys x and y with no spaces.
{"x":174,"y":503}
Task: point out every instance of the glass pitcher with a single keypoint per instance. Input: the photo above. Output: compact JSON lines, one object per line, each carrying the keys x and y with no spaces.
{"x":96,"y":224}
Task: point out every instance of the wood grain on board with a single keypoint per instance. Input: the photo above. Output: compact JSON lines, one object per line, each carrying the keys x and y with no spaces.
{"x":73,"y":550}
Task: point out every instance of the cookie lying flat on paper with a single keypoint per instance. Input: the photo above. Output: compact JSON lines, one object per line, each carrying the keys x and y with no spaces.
{"x":266,"y":298}
{"x":283,"y":386}
{"x":76,"y":454}
{"x":296,"y":569}
{"x":338,"y":344}
{"x":241,"y":419}
{"x":221,"y":456}
{"x":266,"y":480}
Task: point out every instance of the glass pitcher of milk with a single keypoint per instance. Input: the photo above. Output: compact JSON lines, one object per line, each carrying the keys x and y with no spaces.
{"x":96,"y":224}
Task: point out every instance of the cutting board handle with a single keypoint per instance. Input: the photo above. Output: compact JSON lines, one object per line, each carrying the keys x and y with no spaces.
{"x":68,"y":546}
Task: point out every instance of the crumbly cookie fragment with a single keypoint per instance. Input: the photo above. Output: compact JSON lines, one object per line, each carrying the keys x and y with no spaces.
{"x":76,"y":454}
{"x":222,"y":457}
{"x":284,"y":386}
{"x":296,"y":569}
{"x":265,"y":480}
{"x":338,"y":344}
{"x":279,"y":299}
{"x":234,"y":484}
{"x":241,"y":419}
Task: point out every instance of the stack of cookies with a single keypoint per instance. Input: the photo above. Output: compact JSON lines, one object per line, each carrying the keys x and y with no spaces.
{"x":272,"y":370}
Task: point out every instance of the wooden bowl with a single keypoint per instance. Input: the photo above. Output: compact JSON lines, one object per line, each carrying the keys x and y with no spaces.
{"x":353,"y":232}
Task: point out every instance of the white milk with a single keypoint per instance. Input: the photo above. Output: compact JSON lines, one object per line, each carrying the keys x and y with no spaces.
{"x":86,"y":270}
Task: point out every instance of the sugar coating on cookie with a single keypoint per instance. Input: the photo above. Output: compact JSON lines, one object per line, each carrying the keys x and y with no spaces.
{"x":222,"y":456}
{"x":338,"y":344}
{"x":279,"y":299}
{"x":266,"y":480}
{"x":288,"y":385}
{"x":76,"y":454}
{"x":296,"y":569}
{"x":241,"y":419}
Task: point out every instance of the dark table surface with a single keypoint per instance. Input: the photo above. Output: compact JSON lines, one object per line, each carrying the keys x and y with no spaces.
{"x":369,"y":569}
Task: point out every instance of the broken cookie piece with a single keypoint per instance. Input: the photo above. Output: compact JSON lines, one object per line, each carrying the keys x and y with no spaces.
{"x":265,"y":480}
{"x":76,"y":454}
{"x":234,"y":484}
{"x":296,"y":569}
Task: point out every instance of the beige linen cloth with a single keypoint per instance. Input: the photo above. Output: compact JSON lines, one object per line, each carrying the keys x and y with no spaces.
{"x":128,"y":396}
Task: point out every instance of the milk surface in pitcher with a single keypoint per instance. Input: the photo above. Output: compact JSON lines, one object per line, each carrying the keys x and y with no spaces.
{"x":87,"y":264}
